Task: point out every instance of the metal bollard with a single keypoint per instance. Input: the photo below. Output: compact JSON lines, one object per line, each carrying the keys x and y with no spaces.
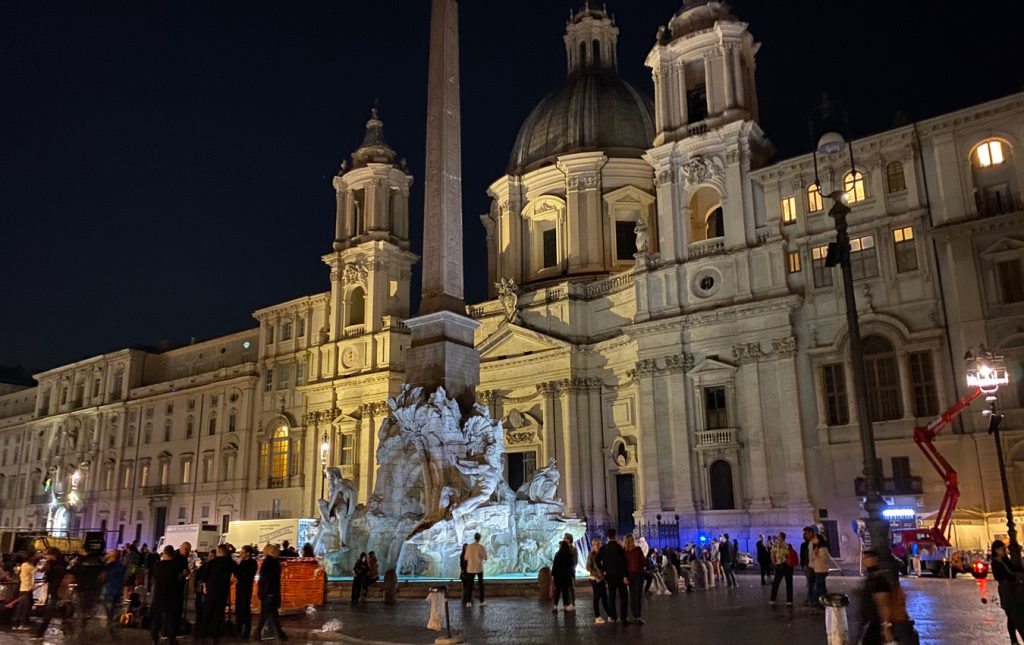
{"x":450,"y":639}
{"x":837,"y":630}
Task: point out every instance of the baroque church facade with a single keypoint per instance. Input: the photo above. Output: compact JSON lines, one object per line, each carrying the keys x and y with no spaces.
{"x":662,"y":324}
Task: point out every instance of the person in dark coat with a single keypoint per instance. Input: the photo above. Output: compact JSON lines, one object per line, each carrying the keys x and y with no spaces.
{"x":269,"y":591}
{"x":764,"y":560}
{"x":612,"y":560}
{"x":563,"y":570}
{"x":245,"y":573}
{"x":216,"y":589}
{"x":87,"y":570}
{"x":359,"y":572}
{"x":1010,"y":578}
{"x":114,"y":573}
{"x":165,"y":603}
{"x":54,"y":567}
{"x":182,"y":563}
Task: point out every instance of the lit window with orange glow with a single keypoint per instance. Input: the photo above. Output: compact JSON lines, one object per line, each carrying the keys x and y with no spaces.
{"x":789,"y":210}
{"x":853,"y":185}
{"x":990,"y":153}
{"x":813,"y":199}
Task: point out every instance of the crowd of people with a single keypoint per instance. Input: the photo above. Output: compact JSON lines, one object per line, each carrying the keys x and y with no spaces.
{"x":153,"y":589}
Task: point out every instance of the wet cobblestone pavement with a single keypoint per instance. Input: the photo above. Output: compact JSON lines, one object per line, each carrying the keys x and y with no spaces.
{"x":947,"y":612}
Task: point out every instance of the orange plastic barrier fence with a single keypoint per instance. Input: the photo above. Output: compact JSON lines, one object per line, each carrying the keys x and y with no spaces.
{"x":302,"y":584}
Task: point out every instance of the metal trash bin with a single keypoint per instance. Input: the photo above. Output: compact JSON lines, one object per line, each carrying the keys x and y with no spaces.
{"x":837,"y":629}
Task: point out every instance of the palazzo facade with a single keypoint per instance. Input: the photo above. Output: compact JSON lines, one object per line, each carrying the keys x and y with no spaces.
{"x":662,"y":324}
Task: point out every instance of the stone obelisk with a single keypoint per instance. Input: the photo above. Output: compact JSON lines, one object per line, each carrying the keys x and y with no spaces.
{"x":442,"y":351}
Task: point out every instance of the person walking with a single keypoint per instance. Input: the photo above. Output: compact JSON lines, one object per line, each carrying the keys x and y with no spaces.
{"x":165,"y":603}
{"x":245,"y":573}
{"x":635,"y":578}
{"x":87,"y":570}
{"x":764,"y":560}
{"x":54,"y":567}
{"x":359,"y":571}
{"x":476,"y":555}
{"x":715,"y":556}
{"x":182,"y":562}
{"x":216,"y":589}
{"x":26,"y":585}
{"x":805,"y":562}
{"x":876,"y":605}
{"x":269,"y":591}
{"x":562,"y":574}
{"x":819,"y":565}
{"x":597,"y":583}
{"x":1010,"y":578}
{"x":727,"y":558}
{"x":114,"y":572}
{"x":568,"y":539}
{"x":611,"y":559}
{"x":784,"y":559}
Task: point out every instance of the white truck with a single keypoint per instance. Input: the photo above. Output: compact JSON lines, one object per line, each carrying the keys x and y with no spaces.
{"x":203,"y":537}
{"x":263,"y":532}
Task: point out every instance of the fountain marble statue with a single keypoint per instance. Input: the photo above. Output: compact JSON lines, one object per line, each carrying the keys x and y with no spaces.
{"x":440,"y":481}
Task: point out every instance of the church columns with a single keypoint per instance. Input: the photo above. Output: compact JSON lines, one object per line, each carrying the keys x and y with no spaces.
{"x":598,"y":474}
{"x":738,"y":76}
{"x":729,"y":75}
{"x":566,"y":392}
{"x":548,"y":446}
{"x":787,"y":389}
{"x":751,"y":423}
{"x":648,"y":491}
{"x":679,"y":448}
{"x":680,"y":107}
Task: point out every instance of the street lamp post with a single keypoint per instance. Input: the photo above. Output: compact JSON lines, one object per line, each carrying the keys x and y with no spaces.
{"x":325,"y":448}
{"x":987,"y":372}
{"x":829,"y":128}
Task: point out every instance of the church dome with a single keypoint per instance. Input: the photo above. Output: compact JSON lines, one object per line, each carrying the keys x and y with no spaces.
{"x":594,"y":109}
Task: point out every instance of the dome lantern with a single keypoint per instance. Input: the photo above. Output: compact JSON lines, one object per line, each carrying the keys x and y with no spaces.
{"x":590,"y":40}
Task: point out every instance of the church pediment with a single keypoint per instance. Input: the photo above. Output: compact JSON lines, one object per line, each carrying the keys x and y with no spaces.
{"x":512,"y":340}
{"x":709,"y":365}
{"x":1005,"y":246}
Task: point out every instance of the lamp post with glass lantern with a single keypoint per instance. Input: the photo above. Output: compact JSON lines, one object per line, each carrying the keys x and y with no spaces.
{"x":325,"y":448}
{"x":987,"y":372}
{"x":829,"y":128}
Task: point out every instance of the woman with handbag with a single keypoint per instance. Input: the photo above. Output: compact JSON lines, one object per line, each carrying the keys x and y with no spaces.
{"x":1010,"y":578}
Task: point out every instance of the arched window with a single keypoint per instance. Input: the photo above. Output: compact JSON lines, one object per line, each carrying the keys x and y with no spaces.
{"x":989,"y":153}
{"x":278,"y":462}
{"x":596,"y":56}
{"x":720,"y":479}
{"x":583,"y":54}
{"x":883,"y":379}
{"x":895,"y":181}
{"x":853,"y":185}
{"x":356,"y":307}
{"x":706,"y":215}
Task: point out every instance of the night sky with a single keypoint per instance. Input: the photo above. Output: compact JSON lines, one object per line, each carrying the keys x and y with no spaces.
{"x":165,"y":167}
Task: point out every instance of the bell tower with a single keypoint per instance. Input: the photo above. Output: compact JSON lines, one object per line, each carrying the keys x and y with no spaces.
{"x":371,"y":266}
{"x":591,"y":40}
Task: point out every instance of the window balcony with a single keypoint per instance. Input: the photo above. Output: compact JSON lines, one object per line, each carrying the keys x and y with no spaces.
{"x":991,"y":205}
{"x":42,"y":498}
{"x":892,"y":486}
{"x":704,"y":248}
{"x":348,"y":471}
{"x":159,"y":489}
{"x":707,"y":439}
{"x":277,"y":482}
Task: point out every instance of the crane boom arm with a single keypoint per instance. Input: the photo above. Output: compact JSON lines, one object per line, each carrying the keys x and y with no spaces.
{"x":924,"y":437}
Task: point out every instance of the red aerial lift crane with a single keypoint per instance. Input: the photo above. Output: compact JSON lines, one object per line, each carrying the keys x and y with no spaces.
{"x":924,"y":437}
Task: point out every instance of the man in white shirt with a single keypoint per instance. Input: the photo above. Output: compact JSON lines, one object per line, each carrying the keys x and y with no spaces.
{"x":476,"y":555}
{"x":27,"y":583}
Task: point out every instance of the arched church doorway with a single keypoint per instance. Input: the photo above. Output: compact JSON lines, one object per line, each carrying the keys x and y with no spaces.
{"x":720,"y":480}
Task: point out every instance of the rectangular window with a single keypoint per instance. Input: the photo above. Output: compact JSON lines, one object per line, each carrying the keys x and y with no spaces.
{"x":167,"y":432}
{"x":95,"y":388}
{"x":212,"y":426}
{"x":191,"y":404}
{"x":186,"y":471}
{"x":181,"y":512}
{"x":301,"y":330}
{"x":165,"y":473}
{"x":126,"y":477}
{"x":789,"y":210}
{"x":822,"y":273}
{"x":169,"y":410}
{"x":214,"y":400}
{"x":906,"y":249}
{"x":836,"y":407}
{"x":1011,"y":281}
{"x":793,"y":262}
{"x":863,"y":257}
{"x":268,"y":380}
{"x":207,"y":468}
{"x":922,"y":380}
{"x":300,"y":374}
{"x":189,"y":428}
{"x":204,"y":511}
{"x":225,"y":522}
{"x":549,"y":239}
{"x":625,"y":242}
{"x":814,"y":203}
{"x":715,"y":414}
{"x":283,"y":376}
{"x":270,"y":334}
{"x":348,"y":449}
{"x":149,"y":412}
{"x":144,"y":475}
{"x":232,"y":422}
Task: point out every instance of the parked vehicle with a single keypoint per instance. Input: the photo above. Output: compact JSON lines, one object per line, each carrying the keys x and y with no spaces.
{"x":203,"y":537}
{"x":261,"y":532}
